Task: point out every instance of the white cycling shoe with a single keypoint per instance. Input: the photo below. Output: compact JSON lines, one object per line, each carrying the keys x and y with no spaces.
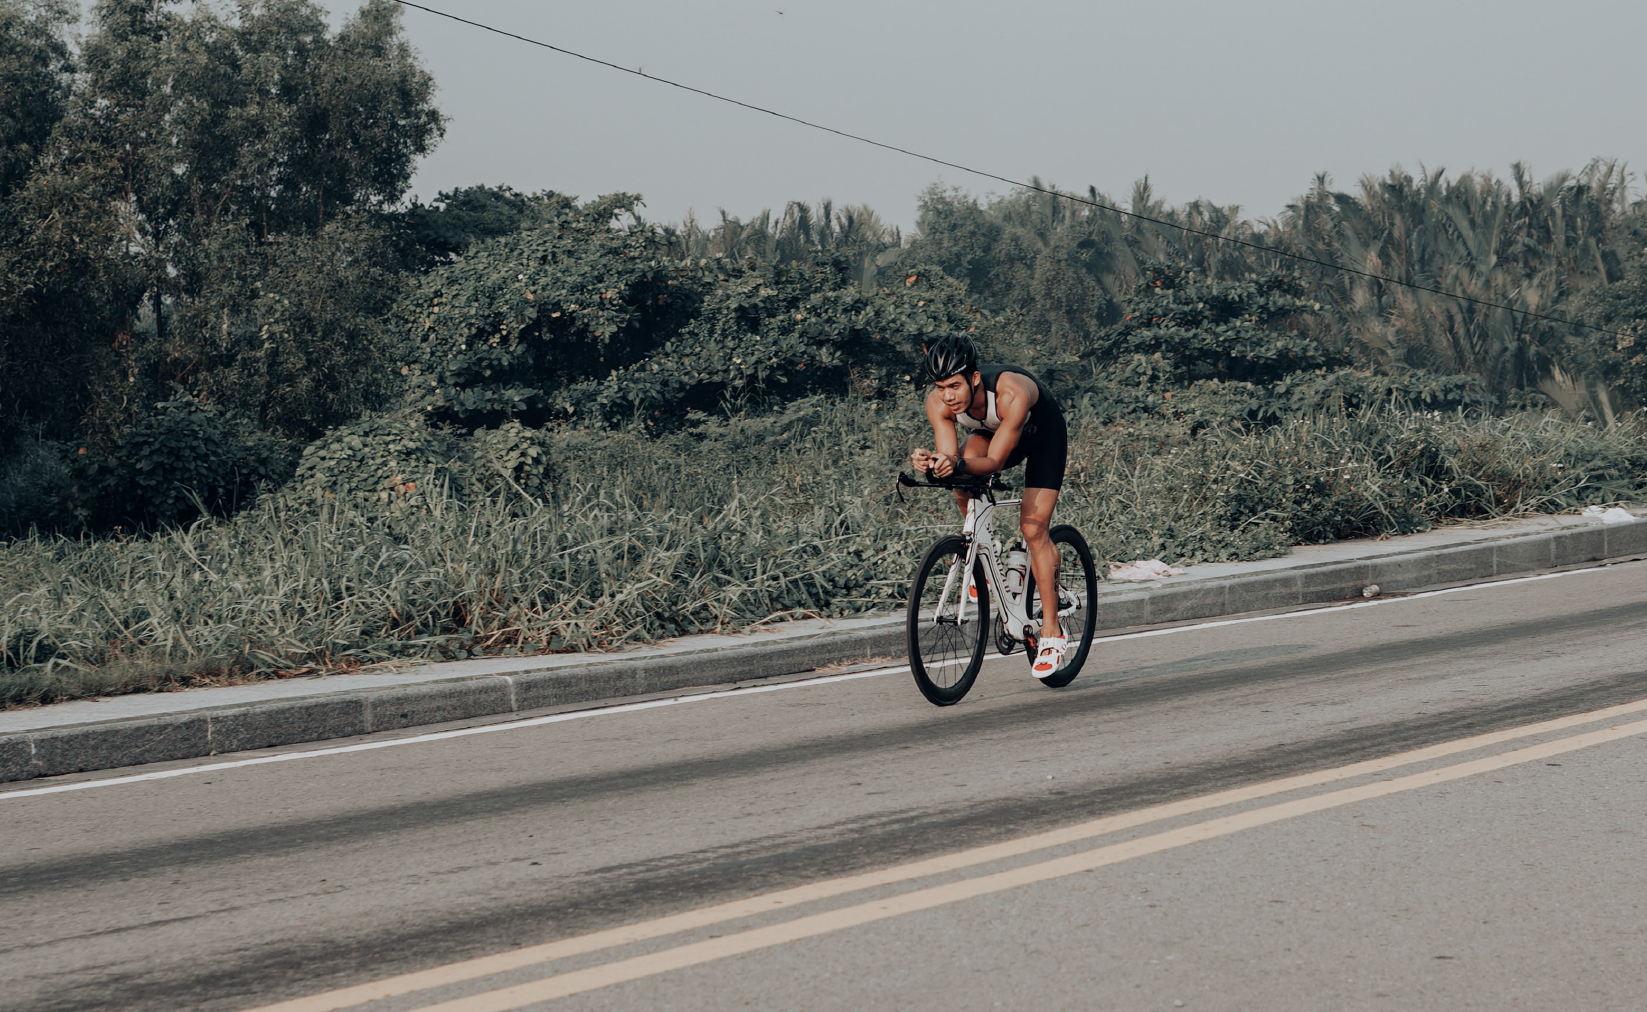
{"x":1049,"y":655}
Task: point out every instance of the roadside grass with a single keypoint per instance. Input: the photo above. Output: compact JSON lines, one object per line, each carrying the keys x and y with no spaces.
{"x":730,"y":524}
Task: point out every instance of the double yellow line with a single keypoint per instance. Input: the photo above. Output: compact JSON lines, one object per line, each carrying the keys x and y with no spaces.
{"x":762,"y":937}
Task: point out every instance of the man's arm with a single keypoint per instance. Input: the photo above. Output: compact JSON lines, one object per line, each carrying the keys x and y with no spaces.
{"x":1014,"y":396}
{"x":938,"y":461}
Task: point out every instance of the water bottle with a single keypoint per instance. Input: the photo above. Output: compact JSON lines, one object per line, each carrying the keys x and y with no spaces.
{"x":1016,"y":563}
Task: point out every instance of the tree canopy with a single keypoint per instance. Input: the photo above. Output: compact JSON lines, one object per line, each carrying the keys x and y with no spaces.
{"x":211,"y":274}
{"x":156,"y":202}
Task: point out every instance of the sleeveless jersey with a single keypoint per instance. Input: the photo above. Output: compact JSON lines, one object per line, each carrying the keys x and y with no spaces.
{"x":1043,"y":408}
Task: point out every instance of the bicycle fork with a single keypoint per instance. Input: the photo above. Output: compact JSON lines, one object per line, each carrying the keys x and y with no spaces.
{"x":968,"y":564}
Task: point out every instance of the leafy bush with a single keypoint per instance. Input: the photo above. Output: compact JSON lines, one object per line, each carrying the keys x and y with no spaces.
{"x":177,"y":463}
{"x":513,"y":456}
{"x":1619,"y":351}
{"x":1205,"y":353}
{"x":391,"y":464}
{"x":571,"y":318}
{"x":382,"y":463}
{"x":1244,"y":331}
{"x":300,"y":335}
{"x":502,"y":332}
{"x":35,"y":487}
{"x":460,"y":218}
{"x":773,"y":332}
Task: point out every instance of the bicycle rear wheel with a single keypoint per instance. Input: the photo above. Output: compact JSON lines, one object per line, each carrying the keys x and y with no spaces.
{"x":946,"y":650}
{"x":1077,"y":590}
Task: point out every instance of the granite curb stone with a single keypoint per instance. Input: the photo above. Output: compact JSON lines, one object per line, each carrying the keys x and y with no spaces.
{"x":103,"y":745}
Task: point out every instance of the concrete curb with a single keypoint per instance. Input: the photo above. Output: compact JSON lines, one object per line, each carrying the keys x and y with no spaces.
{"x":211,"y":731}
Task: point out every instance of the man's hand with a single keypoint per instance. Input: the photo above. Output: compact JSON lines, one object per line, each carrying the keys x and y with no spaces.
{"x":937,"y":465}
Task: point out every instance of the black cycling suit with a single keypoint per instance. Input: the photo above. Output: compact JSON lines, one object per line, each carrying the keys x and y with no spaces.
{"x":1044,"y":440}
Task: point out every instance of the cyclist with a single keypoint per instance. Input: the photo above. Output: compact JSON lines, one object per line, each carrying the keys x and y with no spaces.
{"x":1012,"y":418}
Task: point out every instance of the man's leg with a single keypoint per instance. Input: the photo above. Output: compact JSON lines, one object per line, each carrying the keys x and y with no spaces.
{"x":1035,"y":519}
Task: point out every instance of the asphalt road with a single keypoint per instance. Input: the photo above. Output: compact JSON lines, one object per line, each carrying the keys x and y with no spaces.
{"x":1504,"y":874}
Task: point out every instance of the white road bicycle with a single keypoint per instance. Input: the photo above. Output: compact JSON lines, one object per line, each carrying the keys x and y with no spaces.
{"x":948,"y":630}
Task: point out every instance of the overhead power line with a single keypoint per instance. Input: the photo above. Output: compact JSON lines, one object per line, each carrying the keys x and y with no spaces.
{"x":636,"y":72}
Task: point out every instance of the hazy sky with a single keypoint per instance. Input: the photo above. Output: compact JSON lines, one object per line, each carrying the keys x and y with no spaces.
{"x":1237,"y":102}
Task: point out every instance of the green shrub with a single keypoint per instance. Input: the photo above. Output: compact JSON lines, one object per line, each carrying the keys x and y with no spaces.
{"x":1619,"y":348}
{"x":35,"y":488}
{"x":301,"y":336}
{"x":501,"y":332}
{"x":573,"y":319}
{"x":383,"y":464}
{"x":1247,"y":331}
{"x":513,"y":456}
{"x":769,"y":333}
{"x":181,"y":461}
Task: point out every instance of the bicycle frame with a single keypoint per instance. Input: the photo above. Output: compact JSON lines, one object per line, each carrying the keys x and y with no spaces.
{"x":980,"y":515}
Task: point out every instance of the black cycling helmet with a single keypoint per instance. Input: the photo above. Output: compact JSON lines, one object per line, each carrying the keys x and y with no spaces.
{"x":951,"y":355}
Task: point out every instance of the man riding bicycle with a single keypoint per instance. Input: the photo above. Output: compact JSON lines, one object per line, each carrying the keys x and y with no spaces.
{"x":1012,"y":418}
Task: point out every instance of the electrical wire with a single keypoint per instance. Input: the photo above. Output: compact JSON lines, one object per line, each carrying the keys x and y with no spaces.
{"x":1529,"y":314}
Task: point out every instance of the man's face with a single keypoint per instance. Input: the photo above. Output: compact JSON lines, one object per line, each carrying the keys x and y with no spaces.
{"x":956,"y":392}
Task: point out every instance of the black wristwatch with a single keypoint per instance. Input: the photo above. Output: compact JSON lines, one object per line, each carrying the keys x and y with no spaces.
{"x":960,"y":467}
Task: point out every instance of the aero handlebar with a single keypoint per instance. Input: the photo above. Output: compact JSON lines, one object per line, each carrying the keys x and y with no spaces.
{"x":975,"y":484}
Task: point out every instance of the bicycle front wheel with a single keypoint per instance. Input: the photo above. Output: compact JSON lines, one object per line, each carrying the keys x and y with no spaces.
{"x":1077,"y":591}
{"x":946,"y":641}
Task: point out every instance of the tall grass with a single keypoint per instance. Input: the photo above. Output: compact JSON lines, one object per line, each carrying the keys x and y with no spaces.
{"x":1229,"y":495}
{"x":726,"y":526}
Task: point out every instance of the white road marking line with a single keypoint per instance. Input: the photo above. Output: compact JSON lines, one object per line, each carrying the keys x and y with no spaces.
{"x":511,"y":725}
{"x":514,"y":725}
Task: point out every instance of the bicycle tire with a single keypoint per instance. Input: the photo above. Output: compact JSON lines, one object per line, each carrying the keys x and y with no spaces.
{"x":1077,"y":574}
{"x":945,"y":657}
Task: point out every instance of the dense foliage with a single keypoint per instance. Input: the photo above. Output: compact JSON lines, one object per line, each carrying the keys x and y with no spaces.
{"x":570,"y":317}
{"x":1620,"y":309}
{"x":208,"y":203}
{"x":201,"y":208}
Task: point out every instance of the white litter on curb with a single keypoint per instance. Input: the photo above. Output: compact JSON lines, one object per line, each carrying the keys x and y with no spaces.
{"x":699,"y":697}
{"x":1615,"y":515}
{"x":1154,"y":569}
